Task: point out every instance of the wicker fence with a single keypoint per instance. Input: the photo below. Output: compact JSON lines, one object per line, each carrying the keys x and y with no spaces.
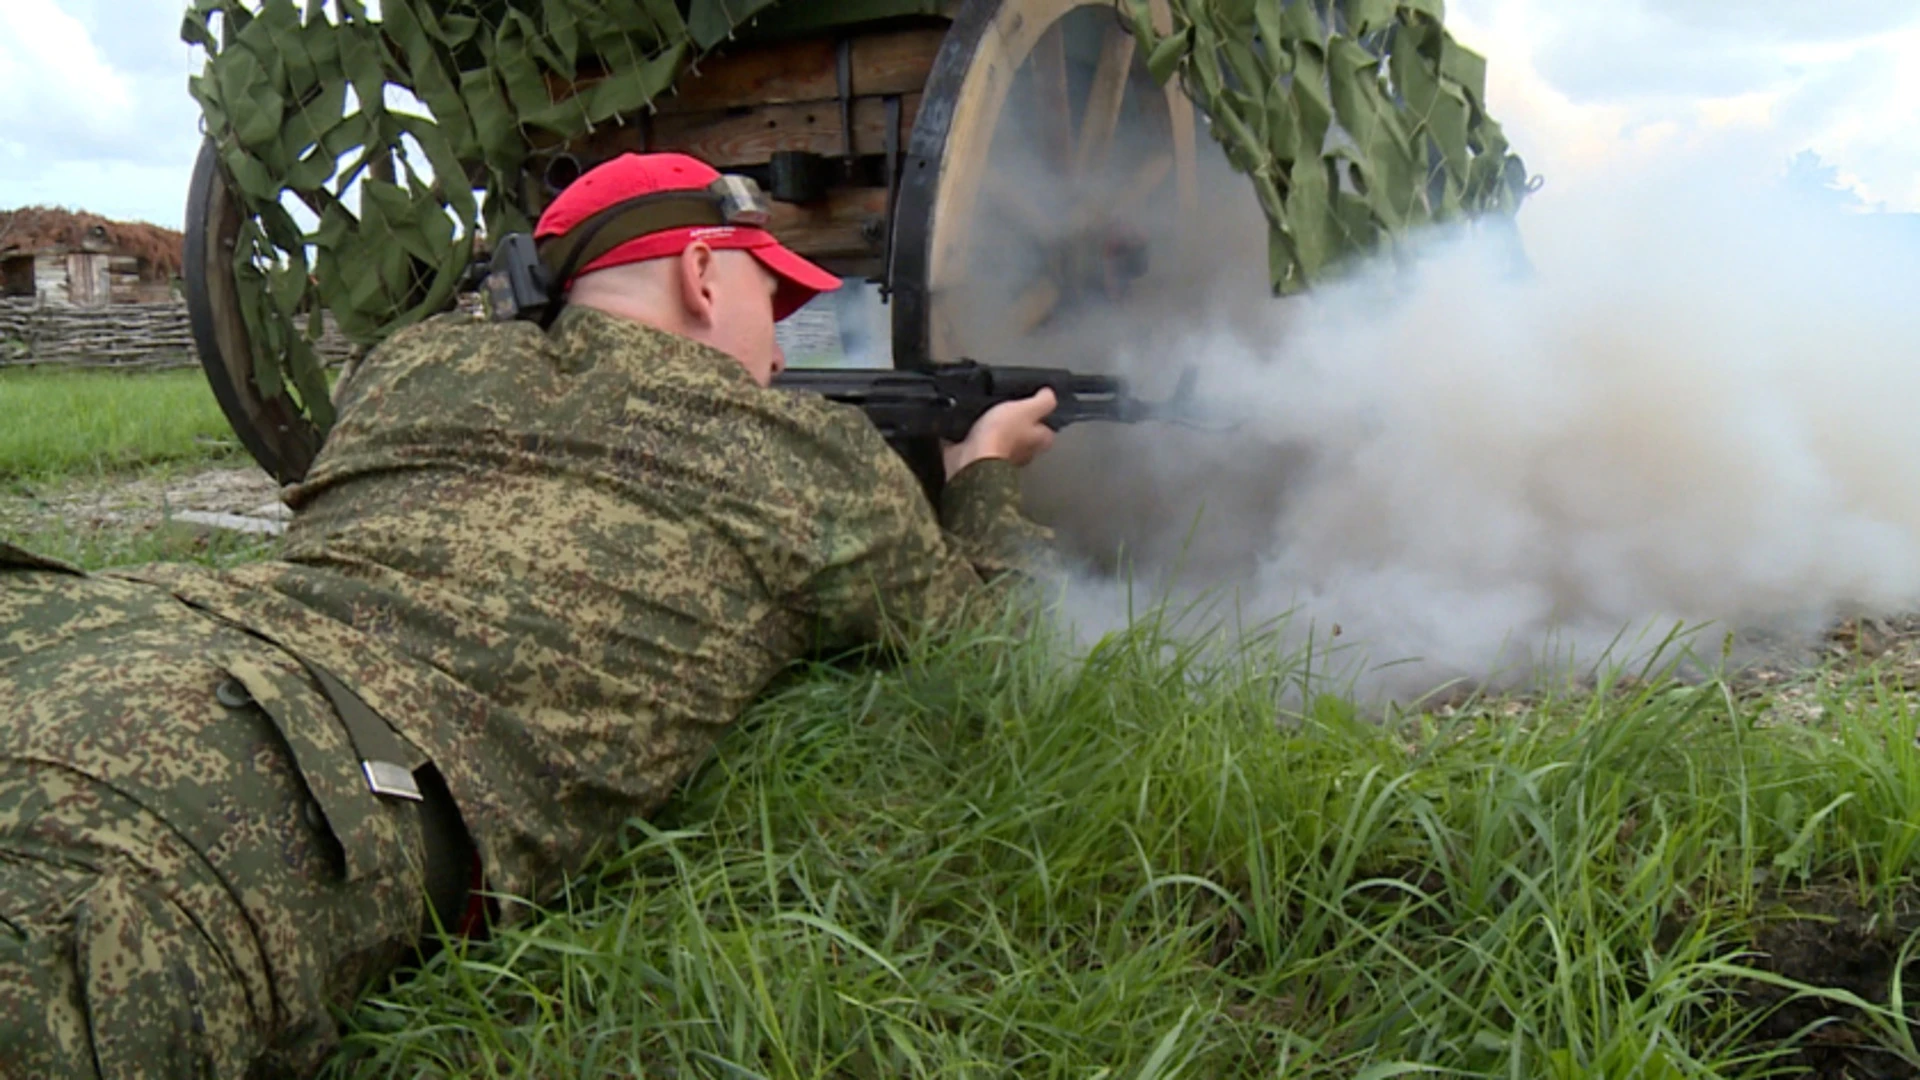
{"x":123,"y":335}
{"x":158,"y":335}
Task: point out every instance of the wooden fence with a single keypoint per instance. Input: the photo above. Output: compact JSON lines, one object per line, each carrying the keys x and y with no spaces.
{"x":121,"y":335}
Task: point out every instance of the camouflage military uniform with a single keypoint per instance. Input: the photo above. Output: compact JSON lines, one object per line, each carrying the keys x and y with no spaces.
{"x":559,"y":565}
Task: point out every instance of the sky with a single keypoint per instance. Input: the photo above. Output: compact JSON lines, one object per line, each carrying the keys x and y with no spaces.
{"x":1587,"y":89}
{"x":95,"y":115}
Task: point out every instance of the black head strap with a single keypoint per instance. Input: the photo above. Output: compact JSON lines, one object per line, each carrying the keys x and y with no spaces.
{"x":623,"y":221}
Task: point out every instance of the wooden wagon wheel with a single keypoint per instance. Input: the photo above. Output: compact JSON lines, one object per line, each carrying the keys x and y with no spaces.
{"x":278,"y":436}
{"x":1019,"y":197}
{"x":1019,"y":203}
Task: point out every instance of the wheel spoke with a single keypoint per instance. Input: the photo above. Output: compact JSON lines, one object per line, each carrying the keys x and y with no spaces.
{"x":1112,"y":197}
{"x":1052,"y":99}
{"x":1186,"y":150}
{"x":1104,"y":98}
{"x":1003,"y":193}
{"x":1034,"y":306}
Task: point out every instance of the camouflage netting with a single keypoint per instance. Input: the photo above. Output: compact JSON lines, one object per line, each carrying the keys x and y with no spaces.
{"x":299,"y":100}
{"x":1356,"y":120}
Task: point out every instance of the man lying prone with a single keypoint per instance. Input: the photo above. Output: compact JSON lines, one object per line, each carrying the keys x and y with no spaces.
{"x":531,"y":577}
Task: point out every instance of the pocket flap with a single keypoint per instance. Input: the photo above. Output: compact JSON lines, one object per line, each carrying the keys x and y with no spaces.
{"x":326,"y":759}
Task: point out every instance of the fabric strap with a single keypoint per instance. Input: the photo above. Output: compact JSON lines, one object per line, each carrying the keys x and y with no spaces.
{"x":623,"y":221}
{"x":450,"y":852}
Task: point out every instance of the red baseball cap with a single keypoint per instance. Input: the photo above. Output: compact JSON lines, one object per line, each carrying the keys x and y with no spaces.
{"x":632,"y":175}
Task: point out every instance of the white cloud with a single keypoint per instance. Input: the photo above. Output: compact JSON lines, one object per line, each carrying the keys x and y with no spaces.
{"x":1874,"y":132}
{"x":1588,"y":91}
{"x":94,"y":109}
{"x":53,"y":79}
{"x":1786,"y":21}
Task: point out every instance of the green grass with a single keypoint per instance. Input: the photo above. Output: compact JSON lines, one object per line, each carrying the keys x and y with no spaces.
{"x":59,"y":428}
{"x":996,"y":860}
{"x":60,"y":422}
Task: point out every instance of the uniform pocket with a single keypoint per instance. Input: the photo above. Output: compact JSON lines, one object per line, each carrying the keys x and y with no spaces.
{"x":366,"y":831}
{"x":159,"y":998}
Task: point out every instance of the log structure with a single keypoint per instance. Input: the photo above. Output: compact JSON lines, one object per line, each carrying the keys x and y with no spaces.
{"x":68,"y":257}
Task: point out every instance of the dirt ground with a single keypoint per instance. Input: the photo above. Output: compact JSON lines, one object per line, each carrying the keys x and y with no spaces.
{"x":1828,"y":939}
{"x":144,"y":501}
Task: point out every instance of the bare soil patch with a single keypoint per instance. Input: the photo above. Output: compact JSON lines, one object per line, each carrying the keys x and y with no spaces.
{"x":142,"y":501}
{"x":1827,"y":939}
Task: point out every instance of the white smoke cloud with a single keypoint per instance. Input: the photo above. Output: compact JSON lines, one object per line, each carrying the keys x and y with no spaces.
{"x":1700,"y":407}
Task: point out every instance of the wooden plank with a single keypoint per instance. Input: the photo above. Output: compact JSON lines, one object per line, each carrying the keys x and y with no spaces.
{"x":727,"y":139}
{"x":786,"y":73}
{"x":835,"y":227}
{"x":787,"y":20}
{"x":88,"y":282}
{"x":1052,"y":98}
{"x":893,"y":63}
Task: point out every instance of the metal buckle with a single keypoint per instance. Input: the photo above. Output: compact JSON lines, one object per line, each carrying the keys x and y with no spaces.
{"x":386,"y":778}
{"x":741,"y":201}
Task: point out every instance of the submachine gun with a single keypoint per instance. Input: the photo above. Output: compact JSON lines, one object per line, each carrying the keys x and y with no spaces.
{"x":914,"y":409}
{"x":944,"y":402}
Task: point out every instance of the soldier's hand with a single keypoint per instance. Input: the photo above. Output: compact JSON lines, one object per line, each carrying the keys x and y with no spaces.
{"x":1014,"y":430}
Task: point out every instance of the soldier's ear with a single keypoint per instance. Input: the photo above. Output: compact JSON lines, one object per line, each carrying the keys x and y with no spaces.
{"x":698,"y":283}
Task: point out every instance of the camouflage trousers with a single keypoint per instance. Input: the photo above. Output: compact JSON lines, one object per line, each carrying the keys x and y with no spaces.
{"x":192,"y":875}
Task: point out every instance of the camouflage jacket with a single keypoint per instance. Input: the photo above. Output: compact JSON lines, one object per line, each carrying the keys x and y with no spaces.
{"x":562,"y":563}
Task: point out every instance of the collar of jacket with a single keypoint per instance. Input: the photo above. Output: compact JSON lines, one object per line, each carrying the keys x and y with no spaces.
{"x":583,"y":331}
